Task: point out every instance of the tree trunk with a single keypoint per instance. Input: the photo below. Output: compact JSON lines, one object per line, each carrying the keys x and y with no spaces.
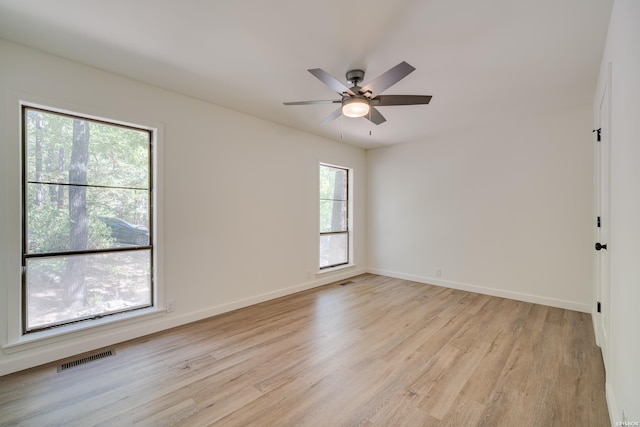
{"x":337,"y":214}
{"x":79,"y":227}
{"x":40,"y":186}
{"x":337,"y":211}
{"x":60,"y":192}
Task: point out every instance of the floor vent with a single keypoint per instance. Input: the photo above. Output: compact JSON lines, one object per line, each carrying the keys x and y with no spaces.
{"x":348,"y":282}
{"x":86,"y":359}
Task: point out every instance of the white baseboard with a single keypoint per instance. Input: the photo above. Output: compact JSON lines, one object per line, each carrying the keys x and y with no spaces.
{"x":614,"y":411}
{"x":536,"y":299}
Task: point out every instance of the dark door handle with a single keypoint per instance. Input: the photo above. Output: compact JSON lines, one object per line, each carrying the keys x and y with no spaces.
{"x":599,"y":246}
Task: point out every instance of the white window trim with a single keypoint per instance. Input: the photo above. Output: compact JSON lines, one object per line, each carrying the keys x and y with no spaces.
{"x":16,"y":340}
{"x":350,"y":221}
{"x":334,"y":269}
{"x":73,"y":330}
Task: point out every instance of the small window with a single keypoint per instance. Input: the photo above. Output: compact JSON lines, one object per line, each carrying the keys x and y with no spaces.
{"x":334,"y":216}
{"x":87,"y":219}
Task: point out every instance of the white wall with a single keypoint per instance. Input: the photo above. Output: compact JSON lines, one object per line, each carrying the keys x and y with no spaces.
{"x":240,"y":220}
{"x":623,"y":54}
{"x":504,"y":209}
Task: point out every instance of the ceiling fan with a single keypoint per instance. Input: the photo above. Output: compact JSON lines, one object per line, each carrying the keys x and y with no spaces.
{"x":362,"y":101}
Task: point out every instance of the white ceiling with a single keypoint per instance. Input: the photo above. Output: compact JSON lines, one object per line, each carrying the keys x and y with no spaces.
{"x":482,"y":61}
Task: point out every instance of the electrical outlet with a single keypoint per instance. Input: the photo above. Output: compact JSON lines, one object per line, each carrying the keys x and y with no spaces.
{"x":171,"y":305}
{"x":438,"y":272}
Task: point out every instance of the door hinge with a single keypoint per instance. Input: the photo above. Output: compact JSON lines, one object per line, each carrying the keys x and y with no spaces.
{"x":598,"y":222}
{"x":599,"y":307}
{"x":599,"y":130}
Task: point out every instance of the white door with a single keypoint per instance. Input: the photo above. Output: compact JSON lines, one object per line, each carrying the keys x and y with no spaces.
{"x":603,"y":149}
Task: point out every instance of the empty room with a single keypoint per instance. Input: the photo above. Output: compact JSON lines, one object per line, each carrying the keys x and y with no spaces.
{"x":291,"y":213}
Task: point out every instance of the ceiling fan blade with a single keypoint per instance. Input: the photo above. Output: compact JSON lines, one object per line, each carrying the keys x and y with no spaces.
{"x":330,"y":81}
{"x":375,"y":117}
{"x":324,"y":101}
{"x":388,"y":79}
{"x":332,"y":116}
{"x":383,"y":100}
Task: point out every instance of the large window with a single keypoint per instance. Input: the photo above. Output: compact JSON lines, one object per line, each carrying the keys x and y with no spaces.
{"x":334,"y":216}
{"x":87,"y":219}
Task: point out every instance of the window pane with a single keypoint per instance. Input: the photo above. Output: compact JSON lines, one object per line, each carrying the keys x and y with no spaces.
{"x":113,"y":217}
{"x":114,"y":156}
{"x":334,"y":249}
{"x":63,"y":289}
{"x":333,"y":183}
{"x":87,"y":188}
{"x":333,"y":216}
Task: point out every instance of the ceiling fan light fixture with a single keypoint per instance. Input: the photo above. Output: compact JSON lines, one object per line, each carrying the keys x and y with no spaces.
{"x":355,"y":107}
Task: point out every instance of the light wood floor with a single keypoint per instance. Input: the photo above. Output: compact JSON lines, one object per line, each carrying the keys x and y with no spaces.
{"x":376,"y":352}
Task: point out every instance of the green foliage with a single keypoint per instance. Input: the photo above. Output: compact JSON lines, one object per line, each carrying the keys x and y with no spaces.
{"x":49,"y":230}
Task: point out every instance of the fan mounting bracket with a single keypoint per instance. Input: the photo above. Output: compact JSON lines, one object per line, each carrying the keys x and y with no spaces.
{"x":355,"y":76}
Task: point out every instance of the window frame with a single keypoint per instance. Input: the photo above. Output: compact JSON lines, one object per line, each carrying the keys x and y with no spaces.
{"x":97,"y":319}
{"x":348,"y":219}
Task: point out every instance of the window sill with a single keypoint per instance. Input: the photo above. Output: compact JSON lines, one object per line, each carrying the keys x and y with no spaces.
{"x":54,"y":335}
{"x":334,"y":269}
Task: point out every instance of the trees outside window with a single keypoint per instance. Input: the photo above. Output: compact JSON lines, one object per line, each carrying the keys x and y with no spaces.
{"x":334,"y":216}
{"x":87,"y":218}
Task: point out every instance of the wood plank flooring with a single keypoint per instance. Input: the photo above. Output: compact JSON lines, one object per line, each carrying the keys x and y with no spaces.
{"x":375,"y":352}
